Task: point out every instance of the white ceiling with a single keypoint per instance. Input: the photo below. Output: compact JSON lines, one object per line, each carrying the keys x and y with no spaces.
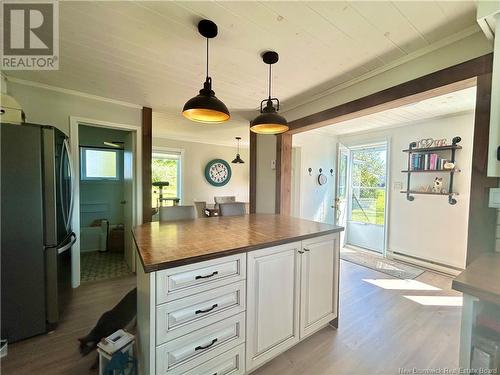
{"x":440,"y":106}
{"x":149,"y":53}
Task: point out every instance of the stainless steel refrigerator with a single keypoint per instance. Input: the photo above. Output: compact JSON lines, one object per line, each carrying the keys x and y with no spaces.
{"x":36,"y":236}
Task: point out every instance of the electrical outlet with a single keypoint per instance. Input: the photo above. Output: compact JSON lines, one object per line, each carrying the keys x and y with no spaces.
{"x":273,"y":164}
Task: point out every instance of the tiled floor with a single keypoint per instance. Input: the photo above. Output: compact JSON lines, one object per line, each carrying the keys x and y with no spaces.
{"x":97,"y":265}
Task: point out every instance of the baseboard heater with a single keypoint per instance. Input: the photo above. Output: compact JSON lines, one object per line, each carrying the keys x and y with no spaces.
{"x":435,"y":266}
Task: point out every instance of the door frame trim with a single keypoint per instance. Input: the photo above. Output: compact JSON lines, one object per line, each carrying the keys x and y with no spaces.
{"x":75,"y":122}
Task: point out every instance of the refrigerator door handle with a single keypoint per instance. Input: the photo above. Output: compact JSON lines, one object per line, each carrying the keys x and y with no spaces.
{"x":67,"y":214}
{"x":72,"y":184}
{"x":63,"y":248}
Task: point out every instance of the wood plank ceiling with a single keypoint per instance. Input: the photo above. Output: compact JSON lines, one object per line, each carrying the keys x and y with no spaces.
{"x":149,"y":53}
{"x":457,"y":102}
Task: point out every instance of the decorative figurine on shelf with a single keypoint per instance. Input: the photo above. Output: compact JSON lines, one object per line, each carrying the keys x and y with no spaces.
{"x":438,"y":185}
{"x":425,"y":143}
{"x":448,"y":165}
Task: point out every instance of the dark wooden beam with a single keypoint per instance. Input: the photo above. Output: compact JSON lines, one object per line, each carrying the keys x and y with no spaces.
{"x":482,"y":219}
{"x":283,"y":174}
{"x":253,"y":172}
{"x":147,"y":153}
{"x":469,"y":69}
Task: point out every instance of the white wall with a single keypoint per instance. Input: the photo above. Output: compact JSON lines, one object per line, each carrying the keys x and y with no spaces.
{"x":49,"y":107}
{"x":429,"y":227}
{"x":196,"y":156}
{"x":315,"y":200}
{"x":266,"y":176}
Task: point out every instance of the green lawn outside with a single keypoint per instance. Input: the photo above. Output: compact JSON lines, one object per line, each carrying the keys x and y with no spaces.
{"x":372,"y":215}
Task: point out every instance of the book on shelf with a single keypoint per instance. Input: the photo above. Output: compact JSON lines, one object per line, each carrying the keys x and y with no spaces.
{"x":426,"y":162}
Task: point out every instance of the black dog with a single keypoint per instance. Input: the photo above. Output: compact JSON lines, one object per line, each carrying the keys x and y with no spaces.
{"x":111,"y":321}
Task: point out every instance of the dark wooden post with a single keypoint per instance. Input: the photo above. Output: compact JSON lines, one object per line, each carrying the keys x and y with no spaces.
{"x":253,"y":172}
{"x":147,"y":151}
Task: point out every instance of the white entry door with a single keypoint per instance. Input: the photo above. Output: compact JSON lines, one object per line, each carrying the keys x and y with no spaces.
{"x":367,"y":197}
{"x":342,"y":189}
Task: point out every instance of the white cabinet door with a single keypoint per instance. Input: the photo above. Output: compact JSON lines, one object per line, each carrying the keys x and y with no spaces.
{"x":272,"y":302}
{"x":319,"y":283}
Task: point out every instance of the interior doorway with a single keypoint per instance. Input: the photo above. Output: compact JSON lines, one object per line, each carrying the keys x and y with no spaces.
{"x":106,"y":171}
{"x":107,"y":195}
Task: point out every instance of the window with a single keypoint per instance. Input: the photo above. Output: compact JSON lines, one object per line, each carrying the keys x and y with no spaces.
{"x":99,"y":164}
{"x":166,"y":167}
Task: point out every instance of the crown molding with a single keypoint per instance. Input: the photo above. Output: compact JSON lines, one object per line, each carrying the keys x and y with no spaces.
{"x":230,"y":144}
{"x":72,"y":92}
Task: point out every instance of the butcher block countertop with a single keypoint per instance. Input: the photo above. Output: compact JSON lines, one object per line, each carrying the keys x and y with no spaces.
{"x":171,"y":244}
{"x":481,"y":278}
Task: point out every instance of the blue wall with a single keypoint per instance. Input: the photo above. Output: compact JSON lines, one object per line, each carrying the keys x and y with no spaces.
{"x":101,"y":199}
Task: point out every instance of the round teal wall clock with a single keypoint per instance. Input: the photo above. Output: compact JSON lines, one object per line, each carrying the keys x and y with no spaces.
{"x":218,"y":172}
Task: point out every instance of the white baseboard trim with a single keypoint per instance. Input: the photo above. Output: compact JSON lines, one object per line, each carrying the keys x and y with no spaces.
{"x":438,"y":267}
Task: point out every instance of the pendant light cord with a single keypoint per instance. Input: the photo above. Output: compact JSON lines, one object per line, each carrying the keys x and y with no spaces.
{"x":207,"y":58}
{"x":270,"y":67}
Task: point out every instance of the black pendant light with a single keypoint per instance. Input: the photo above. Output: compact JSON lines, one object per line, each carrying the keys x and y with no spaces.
{"x":237,"y":159}
{"x":205,"y":107}
{"x":269,"y":121}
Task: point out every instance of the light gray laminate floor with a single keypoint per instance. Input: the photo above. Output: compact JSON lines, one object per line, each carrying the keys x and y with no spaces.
{"x":380,"y":330}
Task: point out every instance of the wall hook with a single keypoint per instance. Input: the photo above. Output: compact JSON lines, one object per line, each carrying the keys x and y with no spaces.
{"x":320,"y":170}
{"x":331,"y":171}
{"x":310,"y":171}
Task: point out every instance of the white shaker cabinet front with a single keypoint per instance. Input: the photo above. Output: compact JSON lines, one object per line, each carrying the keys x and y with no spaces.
{"x":292,"y":292}
{"x":318,"y":283}
{"x":273,"y":278}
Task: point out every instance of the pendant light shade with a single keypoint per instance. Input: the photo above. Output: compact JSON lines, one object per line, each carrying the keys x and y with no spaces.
{"x":206,"y":107}
{"x":238,"y":159}
{"x":269,"y":121}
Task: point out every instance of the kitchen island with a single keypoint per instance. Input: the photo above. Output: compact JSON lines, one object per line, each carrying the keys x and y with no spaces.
{"x":225,"y":295}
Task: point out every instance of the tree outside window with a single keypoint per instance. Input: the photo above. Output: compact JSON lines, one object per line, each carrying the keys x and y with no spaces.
{"x":165,"y":168}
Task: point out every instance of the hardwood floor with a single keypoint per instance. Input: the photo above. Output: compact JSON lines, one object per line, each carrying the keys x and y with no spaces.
{"x":57,"y":353}
{"x":379,"y":331}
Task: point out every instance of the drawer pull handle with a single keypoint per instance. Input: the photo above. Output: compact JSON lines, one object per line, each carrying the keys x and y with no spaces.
{"x":207,"y":276}
{"x":207,"y":346}
{"x":207,"y":310}
{"x":306,"y":249}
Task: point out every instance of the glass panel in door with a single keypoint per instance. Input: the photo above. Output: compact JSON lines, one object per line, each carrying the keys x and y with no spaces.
{"x":366,"y":214}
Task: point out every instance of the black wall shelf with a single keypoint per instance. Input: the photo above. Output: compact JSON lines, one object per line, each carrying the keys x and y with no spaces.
{"x":414,"y":150}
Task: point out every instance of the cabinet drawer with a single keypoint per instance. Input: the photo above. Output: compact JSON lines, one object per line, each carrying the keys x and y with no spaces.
{"x":231,"y":362}
{"x":182,"y":316}
{"x":179,"y":282}
{"x":186,"y":352}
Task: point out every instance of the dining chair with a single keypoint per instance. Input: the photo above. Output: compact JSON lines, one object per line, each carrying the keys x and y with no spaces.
{"x":200,"y":208}
{"x":224,"y":199}
{"x":232,"y":209}
{"x":173,"y":213}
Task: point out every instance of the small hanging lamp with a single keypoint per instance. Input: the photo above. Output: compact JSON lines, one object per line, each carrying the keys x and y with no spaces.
{"x":205,"y":107}
{"x":238,"y":159}
{"x":269,"y":121}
